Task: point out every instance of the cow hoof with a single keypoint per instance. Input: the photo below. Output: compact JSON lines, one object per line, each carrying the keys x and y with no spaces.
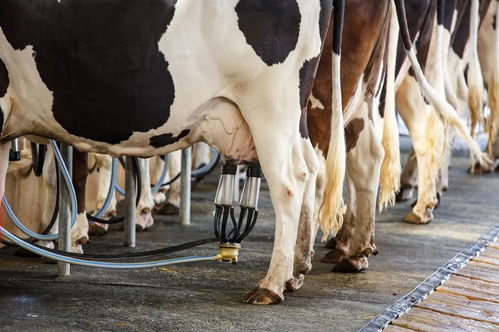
{"x":334,"y":256}
{"x":331,"y":244}
{"x":263,"y":296}
{"x":352,"y":265}
{"x":404,"y":195}
{"x":294,"y":284}
{"x":96,"y":230}
{"x":477,"y":169}
{"x":168,"y":209}
{"x":412,"y":218}
{"x":144,"y":221}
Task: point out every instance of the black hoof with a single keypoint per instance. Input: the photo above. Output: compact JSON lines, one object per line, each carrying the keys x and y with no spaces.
{"x":96,"y":230}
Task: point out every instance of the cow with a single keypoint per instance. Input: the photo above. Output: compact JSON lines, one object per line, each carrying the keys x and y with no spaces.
{"x":371,"y":131}
{"x":34,"y":181}
{"x":149,"y":77}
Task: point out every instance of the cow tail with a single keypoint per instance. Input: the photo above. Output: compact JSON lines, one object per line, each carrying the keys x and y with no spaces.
{"x":493,"y":121}
{"x":390,"y":167}
{"x":331,"y":211}
{"x":475,"y":78}
{"x":444,"y":110}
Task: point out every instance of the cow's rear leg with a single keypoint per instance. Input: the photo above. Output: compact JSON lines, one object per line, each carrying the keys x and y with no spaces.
{"x":307,"y":232}
{"x":409,"y":178}
{"x":363,"y":167}
{"x":443,"y":173}
{"x":144,"y":219}
{"x":341,"y":243}
{"x":172,"y":203}
{"x":427,"y":140}
{"x":287,"y":169}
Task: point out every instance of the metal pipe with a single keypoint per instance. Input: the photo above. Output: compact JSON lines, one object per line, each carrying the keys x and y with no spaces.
{"x":14,"y":152}
{"x":185,"y":187}
{"x":130,"y":204}
{"x":64,"y":225}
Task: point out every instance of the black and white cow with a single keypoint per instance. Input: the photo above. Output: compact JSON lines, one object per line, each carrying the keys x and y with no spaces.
{"x":147,"y":77}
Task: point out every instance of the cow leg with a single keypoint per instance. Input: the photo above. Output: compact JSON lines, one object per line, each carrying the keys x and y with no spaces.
{"x":79,"y":233}
{"x":97,"y":189}
{"x":145,"y":206}
{"x":443,"y":174}
{"x":289,"y":163}
{"x":409,"y":178}
{"x":146,"y":202}
{"x":426,"y":134}
{"x":307,"y":231}
{"x":364,"y":168}
{"x":495,"y":147}
{"x":341,"y":243}
{"x":171,"y":206}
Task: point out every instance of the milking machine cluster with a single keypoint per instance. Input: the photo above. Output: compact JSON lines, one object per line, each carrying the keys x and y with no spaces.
{"x":224,"y":209}
{"x":229,"y":230}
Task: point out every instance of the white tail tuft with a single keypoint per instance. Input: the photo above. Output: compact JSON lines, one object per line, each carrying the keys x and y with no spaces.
{"x":331,"y":211}
{"x":390,"y":167}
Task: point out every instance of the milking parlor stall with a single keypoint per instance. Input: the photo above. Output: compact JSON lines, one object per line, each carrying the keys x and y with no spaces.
{"x":237,"y":165}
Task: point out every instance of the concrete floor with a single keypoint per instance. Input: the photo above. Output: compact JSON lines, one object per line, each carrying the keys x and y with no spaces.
{"x":207,"y":296}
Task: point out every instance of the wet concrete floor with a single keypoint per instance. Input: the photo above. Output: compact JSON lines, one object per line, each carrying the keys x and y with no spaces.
{"x":207,"y":296}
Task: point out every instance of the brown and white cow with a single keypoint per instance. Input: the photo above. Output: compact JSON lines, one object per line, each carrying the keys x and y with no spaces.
{"x":371,"y":132}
